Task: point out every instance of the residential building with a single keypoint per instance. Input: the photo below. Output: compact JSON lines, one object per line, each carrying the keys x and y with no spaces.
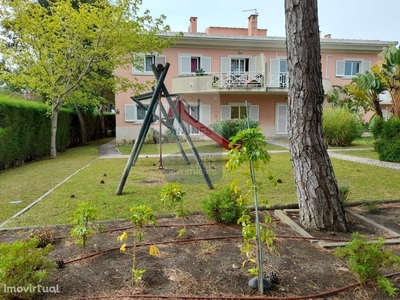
{"x":218,"y":70}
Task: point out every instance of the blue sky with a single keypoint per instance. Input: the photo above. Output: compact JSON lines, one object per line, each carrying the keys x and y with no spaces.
{"x":345,"y":19}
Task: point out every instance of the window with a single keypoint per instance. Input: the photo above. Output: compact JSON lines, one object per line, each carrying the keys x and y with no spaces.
{"x":351,"y":67}
{"x":278,"y":76}
{"x":134,"y":113}
{"x":145,"y":61}
{"x":239,"y":65}
{"x":189,"y":64}
{"x":238,"y":111}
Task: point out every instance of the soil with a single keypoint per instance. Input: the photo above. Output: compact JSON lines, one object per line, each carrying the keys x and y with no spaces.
{"x":207,"y":262}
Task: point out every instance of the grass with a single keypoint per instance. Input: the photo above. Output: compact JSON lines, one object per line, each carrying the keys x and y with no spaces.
{"x":145,"y":182}
{"x":172,"y":148}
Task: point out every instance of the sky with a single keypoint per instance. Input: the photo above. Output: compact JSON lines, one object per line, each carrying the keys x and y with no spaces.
{"x":343,"y":19}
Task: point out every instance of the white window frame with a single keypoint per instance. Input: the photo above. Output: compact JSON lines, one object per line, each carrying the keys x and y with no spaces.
{"x":341,"y":67}
{"x":131,"y":113}
{"x":140,"y":66}
{"x":185,"y":60}
{"x":253,"y":111}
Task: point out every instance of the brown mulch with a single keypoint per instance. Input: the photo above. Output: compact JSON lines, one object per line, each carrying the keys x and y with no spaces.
{"x":206,"y":262}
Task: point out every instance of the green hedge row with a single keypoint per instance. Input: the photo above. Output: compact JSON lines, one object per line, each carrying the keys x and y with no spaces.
{"x":387,"y":138}
{"x":25,"y":130}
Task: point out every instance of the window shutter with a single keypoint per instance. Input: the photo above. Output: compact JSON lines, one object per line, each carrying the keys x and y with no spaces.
{"x":281,"y":119}
{"x":254,"y":112}
{"x":365,"y":66}
{"x":184,"y":64}
{"x":139,"y":63}
{"x":160,"y":59}
{"x":130,"y":112}
{"x":225,"y":65}
{"x":274,"y":73}
{"x":205,"y":114}
{"x":225,"y":112}
{"x":205,"y":64}
{"x":340,"y":68}
{"x":253,"y":64}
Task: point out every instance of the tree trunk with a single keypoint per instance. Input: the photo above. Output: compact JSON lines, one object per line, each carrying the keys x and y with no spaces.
{"x":318,"y":194}
{"x":82,"y":126}
{"x":102,"y":121}
{"x":377,"y":108}
{"x":53,"y":131}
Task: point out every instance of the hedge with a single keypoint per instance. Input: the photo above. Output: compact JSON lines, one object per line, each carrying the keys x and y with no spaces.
{"x":25,"y":130}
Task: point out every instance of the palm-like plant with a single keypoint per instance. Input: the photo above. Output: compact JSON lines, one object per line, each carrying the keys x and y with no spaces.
{"x":365,"y":88}
{"x":388,"y":72}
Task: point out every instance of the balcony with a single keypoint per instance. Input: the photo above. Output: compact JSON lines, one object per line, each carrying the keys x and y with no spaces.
{"x":238,"y":82}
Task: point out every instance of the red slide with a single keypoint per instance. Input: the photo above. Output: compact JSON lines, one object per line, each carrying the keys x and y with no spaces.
{"x":201,"y":127}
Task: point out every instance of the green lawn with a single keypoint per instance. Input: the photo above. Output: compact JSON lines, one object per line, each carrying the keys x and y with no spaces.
{"x":171,"y":148}
{"x":145,"y":182}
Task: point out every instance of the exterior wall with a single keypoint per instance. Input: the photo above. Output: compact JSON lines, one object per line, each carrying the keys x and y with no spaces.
{"x":235,"y":43}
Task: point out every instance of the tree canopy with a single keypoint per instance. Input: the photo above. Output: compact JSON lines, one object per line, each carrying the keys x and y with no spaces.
{"x":51,"y":48}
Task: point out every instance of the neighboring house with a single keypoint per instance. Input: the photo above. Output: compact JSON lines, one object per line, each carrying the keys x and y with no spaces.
{"x":218,"y":70}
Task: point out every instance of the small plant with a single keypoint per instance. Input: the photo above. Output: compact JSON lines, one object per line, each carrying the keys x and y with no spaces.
{"x":344,"y":192}
{"x":253,"y":154}
{"x":82,"y":220}
{"x":44,"y":235}
{"x":371,"y":207}
{"x":366,"y":258}
{"x":172,"y":195}
{"x":141,"y":216}
{"x":226,"y":205}
{"x":23,"y":264}
{"x":200,"y":72}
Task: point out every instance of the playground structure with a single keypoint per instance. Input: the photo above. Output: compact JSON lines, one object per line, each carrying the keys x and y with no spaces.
{"x":176,"y":112}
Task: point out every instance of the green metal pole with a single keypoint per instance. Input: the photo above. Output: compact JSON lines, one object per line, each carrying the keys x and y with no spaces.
{"x":144,"y":129}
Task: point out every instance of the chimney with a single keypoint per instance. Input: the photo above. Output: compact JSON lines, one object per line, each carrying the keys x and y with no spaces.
{"x":327,"y":36}
{"x":252,"y":28}
{"x":193,"y":25}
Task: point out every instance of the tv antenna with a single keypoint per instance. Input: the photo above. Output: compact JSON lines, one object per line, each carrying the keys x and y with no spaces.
{"x":253,"y":9}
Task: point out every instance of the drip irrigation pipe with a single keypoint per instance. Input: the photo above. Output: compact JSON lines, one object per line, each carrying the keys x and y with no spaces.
{"x":193,"y":240}
{"x":189,"y":297}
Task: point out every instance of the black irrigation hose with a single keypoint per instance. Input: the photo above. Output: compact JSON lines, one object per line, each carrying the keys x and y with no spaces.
{"x":188,"y":297}
{"x":196,"y":240}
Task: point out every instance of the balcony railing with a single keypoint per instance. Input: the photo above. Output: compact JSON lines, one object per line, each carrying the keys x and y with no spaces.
{"x":221,"y":81}
{"x":238,"y":80}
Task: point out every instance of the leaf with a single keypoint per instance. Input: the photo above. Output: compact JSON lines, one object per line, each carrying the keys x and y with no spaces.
{"x":153,"y":250}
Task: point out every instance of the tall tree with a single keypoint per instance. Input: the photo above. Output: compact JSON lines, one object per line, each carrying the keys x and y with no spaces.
{"x":56,"y":47}
{"x":388,"y":71}
{"x":317,"y":190}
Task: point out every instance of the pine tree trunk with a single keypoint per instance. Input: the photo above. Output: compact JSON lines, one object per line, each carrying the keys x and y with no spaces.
{"x":317,"y":190}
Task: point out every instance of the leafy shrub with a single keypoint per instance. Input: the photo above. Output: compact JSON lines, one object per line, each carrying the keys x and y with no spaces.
{"x":366,"y":259}
{"x":23,"y":264}
{"x":83,"y":228}
{"x":341,"y":127}
{"x":224,"y":206}
{"x":229,"y":128}
{"x":387,"y":138}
